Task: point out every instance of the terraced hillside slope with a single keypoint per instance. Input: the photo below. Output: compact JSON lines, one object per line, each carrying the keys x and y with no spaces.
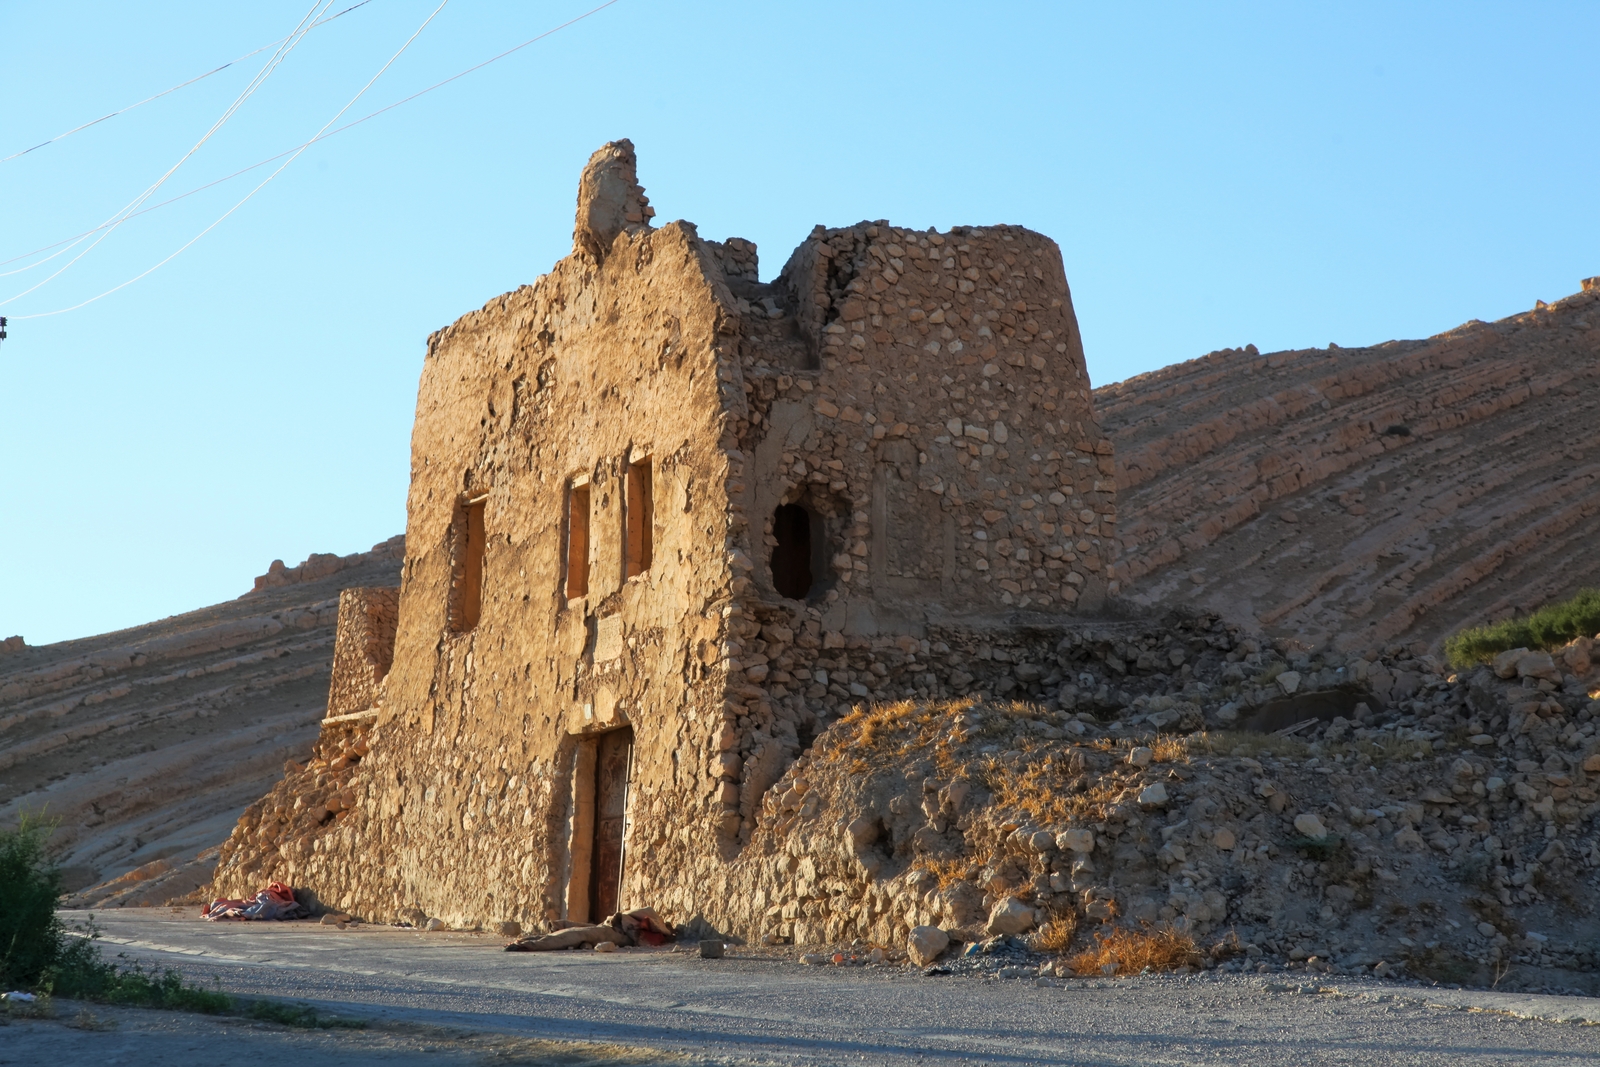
{"x":1368,"y":496}
{"x":147,"y":743}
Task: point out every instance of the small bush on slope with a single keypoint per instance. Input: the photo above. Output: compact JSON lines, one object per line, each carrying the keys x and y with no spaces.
{"x":1550,"y":627}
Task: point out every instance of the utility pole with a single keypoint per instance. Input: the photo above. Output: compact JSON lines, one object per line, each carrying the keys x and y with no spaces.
{"x":2,"y":327}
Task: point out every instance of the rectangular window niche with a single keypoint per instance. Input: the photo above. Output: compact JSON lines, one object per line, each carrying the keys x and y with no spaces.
{"x":470,"y":540}
{"x":577,"y":540}
{"x":640,"y":519}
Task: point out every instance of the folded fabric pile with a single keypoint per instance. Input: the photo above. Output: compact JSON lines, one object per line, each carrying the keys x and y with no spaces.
{"x":274,"y":902}
{"x":641,"y":926}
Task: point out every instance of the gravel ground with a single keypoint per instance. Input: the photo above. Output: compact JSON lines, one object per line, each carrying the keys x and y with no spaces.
{"x":767,"y":1008}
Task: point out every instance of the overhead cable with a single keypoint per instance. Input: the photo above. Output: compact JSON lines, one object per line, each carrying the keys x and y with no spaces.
{"x":110,"y":226}
{"x":175,"y":88}
{"x":292,"y":157}
{"x":294,"y":151}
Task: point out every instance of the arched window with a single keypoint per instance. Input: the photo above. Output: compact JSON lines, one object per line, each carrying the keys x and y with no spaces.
{"x":791,"y":559}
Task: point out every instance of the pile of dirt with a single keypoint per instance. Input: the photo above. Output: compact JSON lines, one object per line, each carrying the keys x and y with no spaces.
{"x":147,"y":743}
{"x":1367,"y":496}
{"x":1450,"y":833}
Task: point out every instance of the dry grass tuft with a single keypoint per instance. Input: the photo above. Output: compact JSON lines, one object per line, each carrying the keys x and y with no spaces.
{"x":949,"y":870}
{"x":1170,"y":749}
{"x":1056,"y":935}
{"x":1123,"y":951}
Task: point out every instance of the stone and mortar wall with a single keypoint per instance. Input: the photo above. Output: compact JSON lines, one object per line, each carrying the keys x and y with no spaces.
{"x":363,"y":649}
{"x":887,"y":377}
{"x":464,"y":801}
{"x":925,"y":395}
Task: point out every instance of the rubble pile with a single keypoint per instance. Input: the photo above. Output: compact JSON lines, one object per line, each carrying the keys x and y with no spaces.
{"x":311,"y":798}
{"x":1445,"y":829}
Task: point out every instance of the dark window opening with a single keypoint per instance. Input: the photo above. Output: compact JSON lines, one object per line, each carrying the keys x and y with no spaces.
{"x":791,"y":559}
{"x":577,"y":541}
{"x":641,"y":520}
{"x":469,"y":567}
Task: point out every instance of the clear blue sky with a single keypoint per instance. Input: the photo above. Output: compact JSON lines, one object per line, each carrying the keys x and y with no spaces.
{"x":1282,"y":174}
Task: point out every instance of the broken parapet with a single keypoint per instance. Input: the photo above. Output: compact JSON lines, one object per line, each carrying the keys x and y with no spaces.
{"x":610,"y":200}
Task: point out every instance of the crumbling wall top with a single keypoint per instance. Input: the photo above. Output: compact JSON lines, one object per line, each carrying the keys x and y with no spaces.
{"x":610,"y":200}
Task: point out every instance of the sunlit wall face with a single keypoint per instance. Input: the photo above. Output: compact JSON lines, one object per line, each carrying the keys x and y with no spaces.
{"x":1282,"y":177}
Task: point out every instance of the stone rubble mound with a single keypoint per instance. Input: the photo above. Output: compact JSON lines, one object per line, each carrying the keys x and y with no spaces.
{"x":1444,"y":829}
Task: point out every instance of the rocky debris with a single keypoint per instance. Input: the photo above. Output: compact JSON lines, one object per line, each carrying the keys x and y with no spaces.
{"x":1392,"y":843}
{"x":146,"y":744}
{"x":1438,"y":482}
{"x":312,"y":797}
{"x":926,"y":944}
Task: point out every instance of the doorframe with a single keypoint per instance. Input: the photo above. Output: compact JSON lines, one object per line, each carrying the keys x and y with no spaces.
{"x":580,"y":843}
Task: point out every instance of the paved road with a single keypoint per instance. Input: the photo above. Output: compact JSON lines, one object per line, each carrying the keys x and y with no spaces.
{"x":770,"y":1010}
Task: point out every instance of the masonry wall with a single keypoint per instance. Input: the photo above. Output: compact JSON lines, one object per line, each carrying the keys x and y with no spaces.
{"x":922,"y":396}
{"x":363,"y":648}
{"x":925,"y":396}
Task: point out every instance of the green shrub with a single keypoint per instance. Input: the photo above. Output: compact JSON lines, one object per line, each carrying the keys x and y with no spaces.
{"x":31,"y":938}
{"x":38,"y":954}
{"x":1550,"y":627}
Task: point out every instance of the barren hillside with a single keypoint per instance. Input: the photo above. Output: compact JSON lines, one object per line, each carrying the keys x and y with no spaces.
{"x":147,"y":743}
{"x":1368,"y":496}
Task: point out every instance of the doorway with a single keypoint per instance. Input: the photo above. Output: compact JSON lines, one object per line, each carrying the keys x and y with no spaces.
{"x":599,"y":825}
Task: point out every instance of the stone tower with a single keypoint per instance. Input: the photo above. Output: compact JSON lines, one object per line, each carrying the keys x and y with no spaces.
{"x":667,"y":522}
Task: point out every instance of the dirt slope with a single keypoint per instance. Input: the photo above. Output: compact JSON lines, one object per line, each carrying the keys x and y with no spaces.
{"x":147,"y":743}
{"x":1368,"y":496}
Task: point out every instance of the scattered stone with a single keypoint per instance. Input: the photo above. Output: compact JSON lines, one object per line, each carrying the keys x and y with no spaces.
{"x":814,"y":959}
{"x":926,"y":944}
{"x":508,"y":928}
{"x":605,"y":946}
{"x":1504,"y":665}
{"x":1010,"y":916}
{"x":1310,"y":825}
{"x":712,"y":950}
{"x":1153,"y":795}
{"x":1080,"y":841}
{"x":434,"y":924}
{"x":1141,"y":756}
{"x":1289,"y":682}
{"x":1224,"y":839}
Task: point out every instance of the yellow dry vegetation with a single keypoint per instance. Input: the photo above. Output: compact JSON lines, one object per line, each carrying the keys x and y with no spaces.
{"x":1125,"y":951}
{"x":1056,"y":935}
{"x":1034,"y":779}
{"x":949,"y":869}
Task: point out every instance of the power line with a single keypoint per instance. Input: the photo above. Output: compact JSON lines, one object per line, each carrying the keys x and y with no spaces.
{"x":175,"y":88}
{"x":292,"y":151}
{"x":110,"y":226}
{"x":258,"y":188}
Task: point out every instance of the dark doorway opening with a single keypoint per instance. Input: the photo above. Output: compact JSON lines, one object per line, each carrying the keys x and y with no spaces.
{"x":791,"y":559}
{"x":612,"y":766}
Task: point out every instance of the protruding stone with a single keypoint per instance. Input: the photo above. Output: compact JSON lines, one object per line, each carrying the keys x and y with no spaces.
{"x":926,"y":944}
{"x":1310,"y":825}
{"x":1080,"y":841}
{"x":610,"y":200}
{"x":1010,"y":916}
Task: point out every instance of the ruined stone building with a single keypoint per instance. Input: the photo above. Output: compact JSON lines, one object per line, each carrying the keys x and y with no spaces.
{"x":667,"y":522}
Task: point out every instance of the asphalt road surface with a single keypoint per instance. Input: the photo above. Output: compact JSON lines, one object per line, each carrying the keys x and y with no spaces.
{"x":759,"y":1008}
